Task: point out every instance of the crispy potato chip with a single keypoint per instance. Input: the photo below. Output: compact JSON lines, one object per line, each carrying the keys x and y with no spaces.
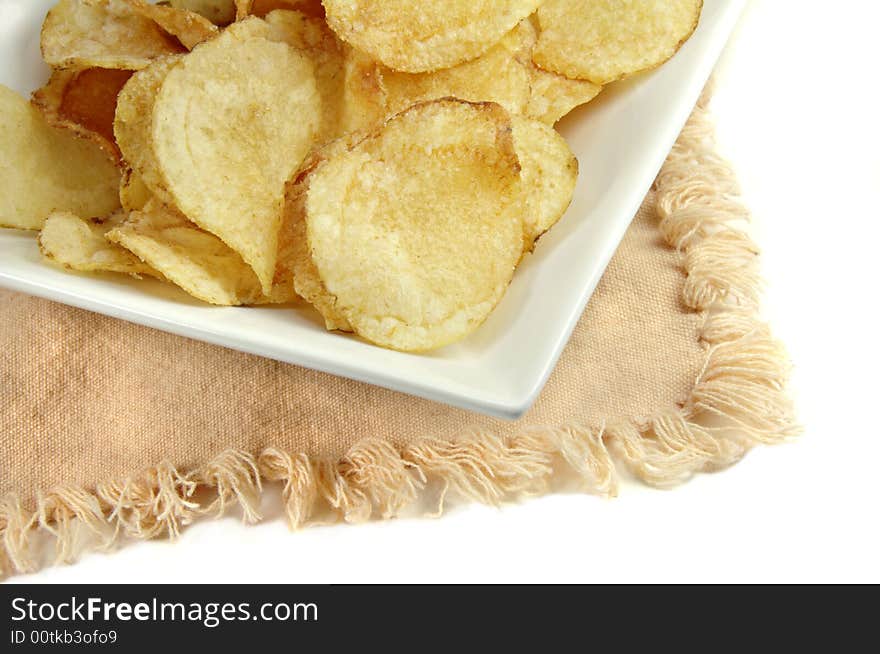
{"x":505,"y":74}
{"x":364,"y":101}
{"x":295,"y":264}
{"x":419,"y":37}
{"x":312,"y":8}
{"x":199,"y":262}
{"x":219,"y":12}
{"x":45,"y":169}
{"x":297,"y":267}
{"x":416,"y":230}
{"x":347,"y":80}
{"x":90,"y":99}
{"x":231,"y":122}
{"x":554,"y":96}
{"x":133,"y":193}
{"x":243,"y":9}
{"x":133,"y":124}
{"x":83,"y":101}
{"x":606,"y":40}
{"x":497,"y":76}
{"x":188,"y":27}
{"x":551,"y":96}
{"x":80,"y":244}
{"x":311,"y":37}
{"x":102,"y":34}
{"x":549,"y":173}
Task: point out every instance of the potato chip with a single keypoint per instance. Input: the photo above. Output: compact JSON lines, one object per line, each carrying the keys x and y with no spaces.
{"x":45,"y":169}
{"x":219,"y":12}
{"x":231,"y":122}
{"x":295,"y":264}
{"x":551,"y":96}
{"x":505,"y":74}
{"x":416,"y":230}
{"x":549,"y":173}
{"x":83,"y":101}
{"x":187,"y":27}
{"x":606,"y":40}
{"x":198,"y":262}
{"x":364,"y":101}
{"x":133,"y":193}
{"x":243,"y":9}
{"x":554,"y":96}
{"x":102,"y":34}
{"x":497,"y":76}
{"x":312,"y":8}
{"x":311,"y":37}
{"x":80,"y":244}
{"x":347,"y":80}
{"x":133,"y":124}
{"x":418,"y":37}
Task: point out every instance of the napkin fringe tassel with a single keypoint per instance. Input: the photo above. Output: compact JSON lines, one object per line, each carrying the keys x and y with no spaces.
{"x":738,"y":401}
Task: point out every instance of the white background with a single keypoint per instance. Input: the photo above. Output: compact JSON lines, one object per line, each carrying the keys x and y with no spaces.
{"x":797,"y":109}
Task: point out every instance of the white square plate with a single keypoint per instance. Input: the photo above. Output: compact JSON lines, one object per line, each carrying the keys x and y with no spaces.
{"x":621,"y":140}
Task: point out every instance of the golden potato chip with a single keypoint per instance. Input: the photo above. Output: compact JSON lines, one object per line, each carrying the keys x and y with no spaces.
{"x":188,"y":27}
{"x":198,"y":262}
{"x":45,"y":169}
{"x":262,"y":8}
{"x":416,"y":230}
{"x":80,"y":244}
{"x":418,"y":37}
{"x":347,"y":80}
{"x":497,"y":76}
{"x":295,"y":265}
{"x":549,"y":172}
{"x":133,"y":124}
{"x":133,"y":193}
{"x":231,"y":122}
{"x":505,"y":74}
{"x":553,"y":96}
{"x":243,"y":8}
{"x":311,"y":37}
{"x":90,"y":99}
{"x":606,"y":40}
{"x":102,"y":34}
{"x":364,"y":101}
{"x":83,"y":101}
{"x":219,"y":12}
{"x":312,"y":8}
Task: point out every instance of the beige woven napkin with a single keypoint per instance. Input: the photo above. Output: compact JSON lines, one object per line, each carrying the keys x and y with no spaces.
{"x":109,"y":429}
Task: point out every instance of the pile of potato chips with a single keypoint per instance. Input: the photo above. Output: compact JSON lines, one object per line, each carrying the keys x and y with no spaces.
{"x":388,"y":161}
